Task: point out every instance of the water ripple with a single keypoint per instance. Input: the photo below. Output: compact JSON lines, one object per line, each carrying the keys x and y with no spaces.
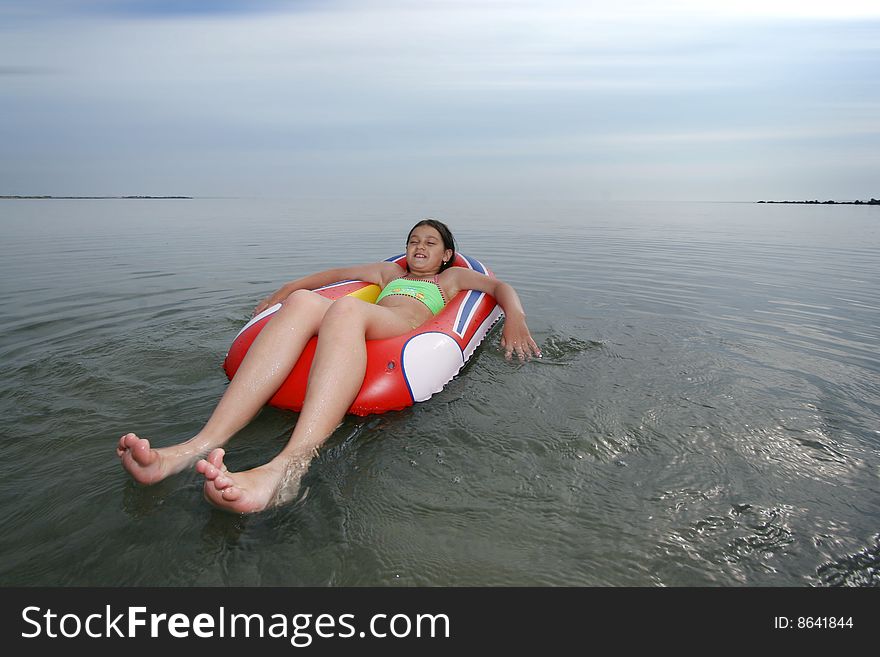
{"x":859,"y":569}
{"x":705,"y":412}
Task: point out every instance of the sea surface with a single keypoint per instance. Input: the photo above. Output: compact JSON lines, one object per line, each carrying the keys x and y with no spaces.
{"x":706,"y":413}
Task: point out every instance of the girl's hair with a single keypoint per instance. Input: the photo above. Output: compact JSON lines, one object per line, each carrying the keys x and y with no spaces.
{"x":445,"y":235}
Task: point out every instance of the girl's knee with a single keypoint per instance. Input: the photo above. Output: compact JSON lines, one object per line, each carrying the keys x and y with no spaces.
{"x":302,"y":308}
{"x":346,"y":310}
{"x":346,"y":307}
{"x":303,"y":300}
{"x":299,"y":296}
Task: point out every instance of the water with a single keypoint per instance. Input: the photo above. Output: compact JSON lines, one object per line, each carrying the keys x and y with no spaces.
{"x":706,"y":412}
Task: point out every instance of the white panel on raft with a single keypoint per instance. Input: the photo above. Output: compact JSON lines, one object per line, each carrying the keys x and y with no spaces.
{"x":257,"y":318}
{"x":430,"y":360}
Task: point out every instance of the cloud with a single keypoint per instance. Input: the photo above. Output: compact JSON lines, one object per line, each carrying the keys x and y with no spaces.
{"x":561,"y":11}
{"x":28,"y":70}
{"x":25,"y":10}
{"x":452,"y":94}
{"x":825,"y":131}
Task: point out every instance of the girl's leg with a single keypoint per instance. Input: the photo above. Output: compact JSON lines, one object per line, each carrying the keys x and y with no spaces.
{"x":336,"y":377}
{"x":268,"y":362}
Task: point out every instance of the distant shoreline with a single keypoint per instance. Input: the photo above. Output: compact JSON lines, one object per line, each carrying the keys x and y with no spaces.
{"x":873,"y":201}
{"x":67,"y":198}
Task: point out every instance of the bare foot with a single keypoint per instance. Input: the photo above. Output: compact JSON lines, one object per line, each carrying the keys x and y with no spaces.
{"x":147,"y":465}
{"x":269,"y":485}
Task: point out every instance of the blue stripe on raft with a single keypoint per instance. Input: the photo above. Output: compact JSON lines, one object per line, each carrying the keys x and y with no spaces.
{"x":403,"y":369}
{"x":393,"y":258}
{"x":467,"y":310}
{"x":475,"y":264}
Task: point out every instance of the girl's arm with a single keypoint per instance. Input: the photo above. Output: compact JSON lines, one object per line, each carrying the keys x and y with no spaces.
{"x":378,"y":273}
{"x":515,"y":336}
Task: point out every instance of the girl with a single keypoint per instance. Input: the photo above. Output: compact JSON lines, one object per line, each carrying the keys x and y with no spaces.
{"x":408,"y":298}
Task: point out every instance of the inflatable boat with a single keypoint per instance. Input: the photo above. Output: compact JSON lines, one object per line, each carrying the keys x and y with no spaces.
{"x":402,"y":370}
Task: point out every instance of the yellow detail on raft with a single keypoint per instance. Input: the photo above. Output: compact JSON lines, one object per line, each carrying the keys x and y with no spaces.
{"x":369,"y":293}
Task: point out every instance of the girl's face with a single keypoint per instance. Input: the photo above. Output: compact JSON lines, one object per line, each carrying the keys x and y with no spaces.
{"x":425,"y":252}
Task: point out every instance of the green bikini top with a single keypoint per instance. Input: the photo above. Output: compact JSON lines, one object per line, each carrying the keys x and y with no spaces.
{"x":428,"y":292}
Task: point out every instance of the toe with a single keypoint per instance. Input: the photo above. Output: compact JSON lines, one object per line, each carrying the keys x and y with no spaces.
{"x":141,"y":453}
{"x":215,"y":458}
{"x":222,"y":481}
{"x":231,"y":494}
{"x":211,"y":473}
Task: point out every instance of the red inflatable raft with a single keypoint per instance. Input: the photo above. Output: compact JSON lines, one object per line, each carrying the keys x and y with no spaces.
{"x":402,"y":370}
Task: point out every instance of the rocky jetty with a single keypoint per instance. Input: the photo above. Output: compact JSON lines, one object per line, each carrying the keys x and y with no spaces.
{"x":873,"y":201}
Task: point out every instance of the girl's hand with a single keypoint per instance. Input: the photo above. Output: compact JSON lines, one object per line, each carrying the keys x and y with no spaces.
{"x":516,"y":339}
{"x":265,"y":303}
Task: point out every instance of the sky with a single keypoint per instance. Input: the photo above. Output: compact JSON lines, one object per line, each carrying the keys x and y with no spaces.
{"x":540,"y":99}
